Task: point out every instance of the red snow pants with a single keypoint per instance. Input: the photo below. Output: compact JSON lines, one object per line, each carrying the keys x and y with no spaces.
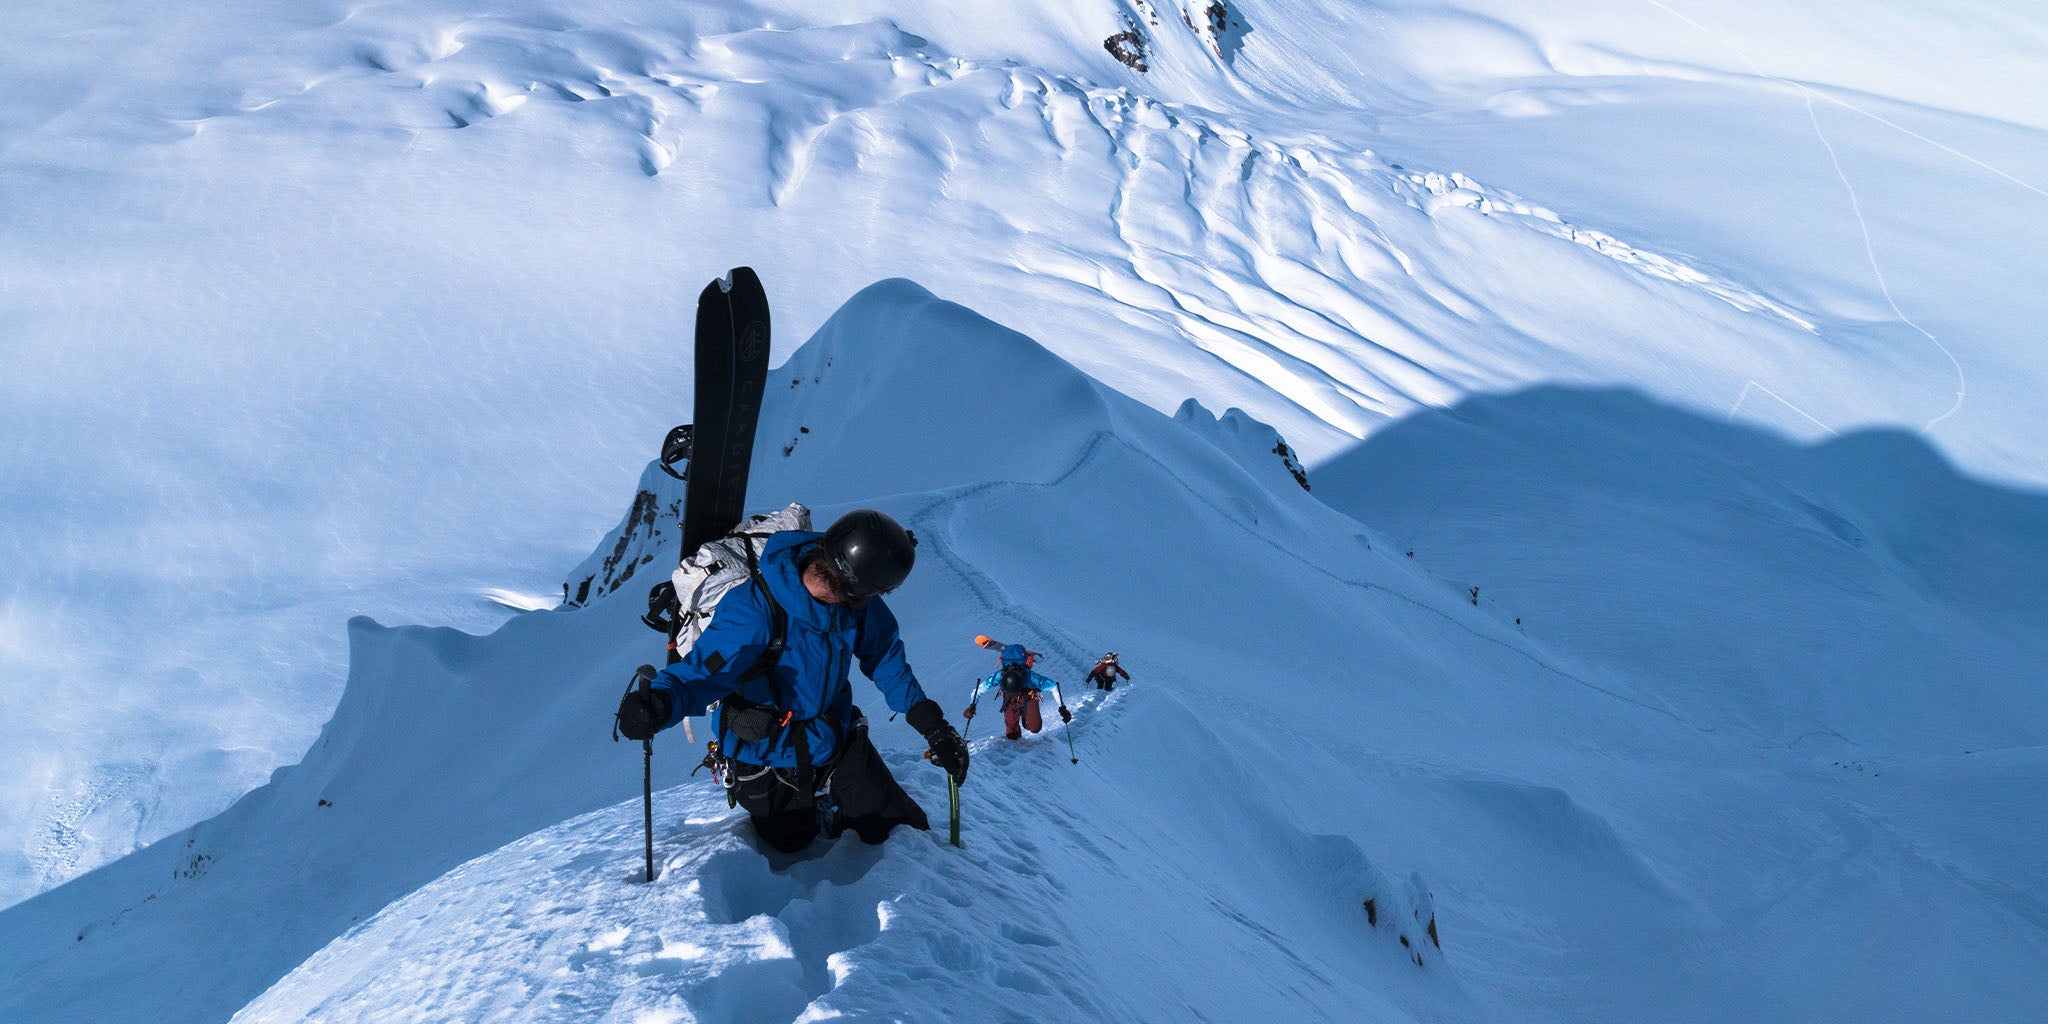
{"x":1024,"y":706}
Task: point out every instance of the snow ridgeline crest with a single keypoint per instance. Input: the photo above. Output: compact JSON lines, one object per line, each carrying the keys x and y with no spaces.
{"x":1918,"y":601}
{"x":646,"y":536}
{"x":1310,"y":708}
{"x":848,"y":929}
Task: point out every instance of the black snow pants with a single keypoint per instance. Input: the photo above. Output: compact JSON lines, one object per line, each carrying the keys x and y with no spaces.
{"x":857,"y":788}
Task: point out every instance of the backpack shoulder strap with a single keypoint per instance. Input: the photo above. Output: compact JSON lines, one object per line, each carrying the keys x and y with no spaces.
{"x":778,"y":630}
{"x":778,"y":638}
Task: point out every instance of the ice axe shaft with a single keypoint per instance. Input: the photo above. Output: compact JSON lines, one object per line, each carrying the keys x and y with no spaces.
{"x":952,"y":805}
{"x":645,"y":676}
{"x":952,"y":809}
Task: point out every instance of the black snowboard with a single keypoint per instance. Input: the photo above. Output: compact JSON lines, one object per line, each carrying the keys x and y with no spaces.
{"x":732,"y":371}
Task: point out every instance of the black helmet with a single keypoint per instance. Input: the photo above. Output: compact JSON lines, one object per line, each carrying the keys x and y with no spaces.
{"x":871,"y":552}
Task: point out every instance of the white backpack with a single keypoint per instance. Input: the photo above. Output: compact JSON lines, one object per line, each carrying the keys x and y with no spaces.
{"x":713,"y":571}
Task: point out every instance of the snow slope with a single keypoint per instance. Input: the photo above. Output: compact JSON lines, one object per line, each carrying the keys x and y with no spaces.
{"x":1317,"y":719}
{"x":268,"y":267}
{"x":1822,"y":588}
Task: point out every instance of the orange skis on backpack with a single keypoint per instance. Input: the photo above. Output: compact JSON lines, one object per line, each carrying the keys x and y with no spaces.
{"x":1016,"y":708}
{"x":984,"y":640}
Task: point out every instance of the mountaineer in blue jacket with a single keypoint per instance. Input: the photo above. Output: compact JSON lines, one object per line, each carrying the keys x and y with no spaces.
{"x":786,"y":722}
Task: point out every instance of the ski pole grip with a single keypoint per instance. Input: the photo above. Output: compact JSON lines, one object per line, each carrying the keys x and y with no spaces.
{"x":644,"y":675}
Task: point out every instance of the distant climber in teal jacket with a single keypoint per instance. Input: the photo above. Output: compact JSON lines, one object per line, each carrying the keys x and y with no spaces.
{"x":1021,"y":689}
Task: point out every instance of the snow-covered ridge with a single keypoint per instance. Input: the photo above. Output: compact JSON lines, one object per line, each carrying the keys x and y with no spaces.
{"x":271,"y":266}
{"x":1853,"y":594}
{"x":1318,"y":719}
{"x":312,"y":310}
{"x":912,"y":930}
{"x":446,"y":745}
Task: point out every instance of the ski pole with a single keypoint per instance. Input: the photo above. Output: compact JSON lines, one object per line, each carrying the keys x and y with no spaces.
{"x":973,"y":705}
{"x":646,"y":678}
{"x":1069,"y":730}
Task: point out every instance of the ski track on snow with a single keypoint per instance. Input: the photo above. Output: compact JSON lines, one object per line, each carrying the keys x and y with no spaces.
{"x":1807,"y":94}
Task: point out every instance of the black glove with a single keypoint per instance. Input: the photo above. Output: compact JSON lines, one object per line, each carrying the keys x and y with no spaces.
{"x":642,"y":714}
{"x":1065,"y":715}
{"x":948,"y":750}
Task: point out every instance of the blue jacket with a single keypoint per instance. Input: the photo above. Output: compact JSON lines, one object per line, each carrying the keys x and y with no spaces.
{"x":819,"y":649}
{"x":993,"y":683}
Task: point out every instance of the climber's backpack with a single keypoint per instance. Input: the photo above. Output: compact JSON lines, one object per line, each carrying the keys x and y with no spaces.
{"x":1015,"y":679}
{"x":683,"y":605}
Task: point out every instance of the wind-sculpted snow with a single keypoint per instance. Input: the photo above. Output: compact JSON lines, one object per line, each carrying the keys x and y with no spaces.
{"x":1276,"y":239}
{"x":1289,"y":251}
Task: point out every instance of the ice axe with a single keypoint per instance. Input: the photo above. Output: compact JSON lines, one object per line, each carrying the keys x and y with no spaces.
{"x":644,"y":676}
{"x":952,"y":805}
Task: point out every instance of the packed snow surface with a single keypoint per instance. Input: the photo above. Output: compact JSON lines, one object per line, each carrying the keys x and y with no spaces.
{"x":1700,"y":338}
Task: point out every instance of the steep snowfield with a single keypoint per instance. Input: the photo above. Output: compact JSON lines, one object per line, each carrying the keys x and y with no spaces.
{"x":322,"y":309}
{"x":1602,"y":825}
{"x":313,"y":310}
{"x":1809,"y":594}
